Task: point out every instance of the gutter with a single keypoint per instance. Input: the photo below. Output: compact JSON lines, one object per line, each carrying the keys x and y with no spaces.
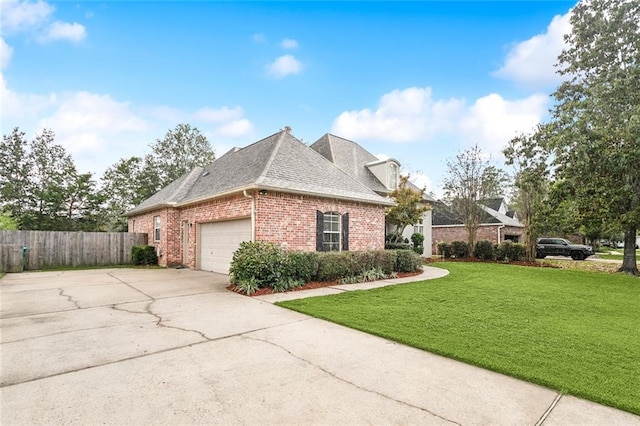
{"x":234,"y":191}
{"x":253,"y":214}
{"x":499,"y":228}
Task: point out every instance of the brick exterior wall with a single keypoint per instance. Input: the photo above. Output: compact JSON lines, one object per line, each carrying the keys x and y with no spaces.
{"x":290,"y":220}
{"x":285,"y":219}
{"x":485,"y":232}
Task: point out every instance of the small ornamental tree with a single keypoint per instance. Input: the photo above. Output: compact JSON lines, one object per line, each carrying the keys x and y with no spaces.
{"x":409,"y":206}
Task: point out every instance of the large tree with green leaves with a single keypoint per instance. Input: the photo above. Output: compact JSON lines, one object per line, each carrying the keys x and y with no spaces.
{"x":596,"y":120}
{"x":15,"y":174}
{"x":409,"y":207}
{"x":526,"y":153}
{"x":470,"y":179}
{"x":41,"y":188}
{"x":123,"y":187}
{"x":181,"y":150}
{"x":132,"y":180}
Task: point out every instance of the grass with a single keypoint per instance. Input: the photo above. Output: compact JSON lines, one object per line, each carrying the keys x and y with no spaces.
{"x":574,"y":331}
{"x":615,"y":255}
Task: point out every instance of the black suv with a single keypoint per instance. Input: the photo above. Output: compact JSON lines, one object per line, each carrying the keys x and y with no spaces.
{"x":562,"y":247}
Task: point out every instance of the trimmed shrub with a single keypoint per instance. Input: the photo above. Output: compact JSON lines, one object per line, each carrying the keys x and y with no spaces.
{"x":335,"y":265}
{"x":460,"y":249}
{"x":261,"y":261}
{"x":301,"y":265}
{"x":509,"y":251}
{"x":484,"y":250}
{"x":444,"y":250}
{"x":144,"y":255}
{"x":418,"y":240}
{"x":407,"y":261}
{"x":397,"y":246}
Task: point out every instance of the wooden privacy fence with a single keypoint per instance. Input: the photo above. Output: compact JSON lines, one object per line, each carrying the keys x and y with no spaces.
{"x":59,"y":249}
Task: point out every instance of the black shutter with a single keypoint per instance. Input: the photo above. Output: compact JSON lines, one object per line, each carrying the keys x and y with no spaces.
{"x":319,"y":230}
{"x":345,"y":232}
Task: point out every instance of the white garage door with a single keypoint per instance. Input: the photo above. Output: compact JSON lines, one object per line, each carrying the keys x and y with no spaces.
{"x":219,"y":240}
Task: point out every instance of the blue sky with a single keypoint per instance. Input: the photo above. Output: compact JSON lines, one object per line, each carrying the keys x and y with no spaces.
{"x":416,"y":81}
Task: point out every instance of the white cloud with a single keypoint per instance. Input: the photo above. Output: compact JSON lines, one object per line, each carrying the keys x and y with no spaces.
{"x":259,"y":38}
{"x":402,"y":116}
{"x":492,"y":120}
{"x":289,"y":43}
{"x":21,"y":106}
{"x":421,"y":180}
{"x":531,"y":62}
{"x":283,"y":66}
{"x":20,"y":16}
{"x":235,"y":129}
{"x":413,"y":115}
{"x":5,"y":54}
{"x":63,"y":31}
{"x":82,"y":120}
{"x":217,"y":115}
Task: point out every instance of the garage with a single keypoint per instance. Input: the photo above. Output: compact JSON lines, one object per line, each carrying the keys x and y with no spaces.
{"x":218,"y":241}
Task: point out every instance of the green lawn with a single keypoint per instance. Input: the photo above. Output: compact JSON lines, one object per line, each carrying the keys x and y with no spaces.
{"x":574,"y":331}
{"x":615,"y":254}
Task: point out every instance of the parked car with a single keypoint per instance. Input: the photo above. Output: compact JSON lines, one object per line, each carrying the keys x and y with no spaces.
{"x":561,"y":247}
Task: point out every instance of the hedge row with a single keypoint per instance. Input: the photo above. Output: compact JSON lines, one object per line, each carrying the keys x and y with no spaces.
{"x":506,"y":251}
{"x":262,"y":264}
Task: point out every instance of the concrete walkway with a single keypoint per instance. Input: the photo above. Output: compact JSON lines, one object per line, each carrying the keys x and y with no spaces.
{"x":130,"y":346}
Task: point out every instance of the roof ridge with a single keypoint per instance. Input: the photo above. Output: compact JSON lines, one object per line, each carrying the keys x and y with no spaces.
{"x":334,"y":165}
{"x":268,"y":163}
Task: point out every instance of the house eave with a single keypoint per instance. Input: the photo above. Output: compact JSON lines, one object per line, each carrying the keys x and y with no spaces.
{"x":461,"y":225}
{"x":256,"y":188}
{"x":135,"y":212}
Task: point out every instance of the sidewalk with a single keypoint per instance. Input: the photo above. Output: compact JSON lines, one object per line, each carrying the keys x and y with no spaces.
{"x":453,"y":381}
{"x":428,"y":273}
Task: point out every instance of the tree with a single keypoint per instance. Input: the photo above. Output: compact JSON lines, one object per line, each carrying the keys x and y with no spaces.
{"x":596,"y":120}
{"x":181,"y":150}
{"x":123,"y":188}
{"x":531,"y":183}
{"x":409,"y":207}
{"x":471,"y":179}
{"x":7,"y":223}
{"x":130,"y":181}
{"x":14,"y":174}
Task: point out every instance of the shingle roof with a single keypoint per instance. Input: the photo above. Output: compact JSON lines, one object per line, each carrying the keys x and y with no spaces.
{"x":493,"y":203}
{"x":443,"y":215}
{"x":278,"y":162}
{"x":351,"y":158}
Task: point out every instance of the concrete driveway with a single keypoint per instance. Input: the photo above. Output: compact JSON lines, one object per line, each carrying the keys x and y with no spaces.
{"x":131,"y":346}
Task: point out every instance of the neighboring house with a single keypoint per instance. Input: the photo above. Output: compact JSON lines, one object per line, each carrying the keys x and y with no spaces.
{"x":498,"y":224}
{"x":381,"y":176}
{"x":278,"y":190}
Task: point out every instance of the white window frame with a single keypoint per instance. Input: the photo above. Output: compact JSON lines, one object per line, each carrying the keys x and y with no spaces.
{"x":332,"y":226}
{"x":393,"y":175}
{"x":156,"y":228}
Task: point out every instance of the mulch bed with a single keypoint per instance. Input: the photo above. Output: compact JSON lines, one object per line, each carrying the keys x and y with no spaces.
{"x":313,"y":284}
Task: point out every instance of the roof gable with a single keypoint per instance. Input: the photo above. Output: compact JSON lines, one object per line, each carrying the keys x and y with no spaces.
{"x":277,"y":162}
{"x":444,"y":215}
{"x":350,"y":158}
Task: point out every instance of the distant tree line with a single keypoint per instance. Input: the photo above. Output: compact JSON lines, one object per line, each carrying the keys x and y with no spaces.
{"x":41,"y":188}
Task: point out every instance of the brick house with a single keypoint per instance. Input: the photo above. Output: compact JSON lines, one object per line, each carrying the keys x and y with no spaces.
{"x":277,"y":189}
{"x":498,"y":224}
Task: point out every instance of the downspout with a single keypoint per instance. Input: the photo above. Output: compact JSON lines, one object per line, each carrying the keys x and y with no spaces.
{"x":499,"y":228}
{"x":253,"y":214}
